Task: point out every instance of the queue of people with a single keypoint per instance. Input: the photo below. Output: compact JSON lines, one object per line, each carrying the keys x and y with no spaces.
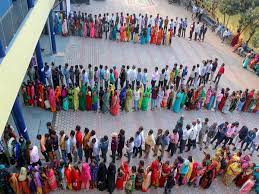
{"x":77,"y":161}
{"x":122,"y":27}
{"x":106,"y":89}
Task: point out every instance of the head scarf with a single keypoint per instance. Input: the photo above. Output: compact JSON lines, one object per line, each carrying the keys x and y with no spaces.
{"x":23,"y":174}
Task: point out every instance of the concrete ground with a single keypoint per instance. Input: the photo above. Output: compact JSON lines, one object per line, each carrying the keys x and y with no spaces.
{"x":81,"y":51}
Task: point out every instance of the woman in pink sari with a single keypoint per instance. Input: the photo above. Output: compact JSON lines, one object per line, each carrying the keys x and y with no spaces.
{"x":208,"y":95}
{"x":85,"y":176}
{"x":52,"y":100}
{"x":115,"y":104}
{"x":85,"y":30}
{"x":247,"y":186}
{"x":64,"y":28}
{"x":122,"y":34}
{"x":91,"y":30}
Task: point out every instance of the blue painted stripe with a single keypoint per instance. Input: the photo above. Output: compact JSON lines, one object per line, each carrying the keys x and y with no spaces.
{"x":4,"y":6}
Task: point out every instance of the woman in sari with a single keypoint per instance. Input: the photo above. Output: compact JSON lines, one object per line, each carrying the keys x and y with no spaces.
{"x":244,"y":176}
{"x":41,"y":91}
{"x":68,"y":176}
{"x":82,"y":96}
{"x":23,"y":181}
{"x":143,"y":36}
{"x":165,"y":171}
{"x":31,"y":93}
{"x":141,"y":89}
{"x":212,"y":99}
{"x":234,"y":100}
{"x":58,"y":97}
{"x":70,"y":94}
{"x":106,"y":101}
{"x":152,"y":38}
{"x":120,"y":179}
{"x":128,"y":98}
{"x":65,"y":103}
{"x":114,"y":32}
{"x":159,"y":36}
{"x":256,"y":108}
{"x":170,"y":99}
{"x":24,"y":94}
{"x":178,"y":100}
{"x":235,"y":39}
{"x":222,"y":102}
{"x":111,"y":174}
{"x":208,"y":96}
{"x":76,"y":98}
{"x":242,"y":100}
{"x":64,"y":28}
{"x":85,"y":29}
{"x":165,"y":98}
{"x":122,"y":34}
{"x":115,"y":104}
{"x":209,"y":175}
{"x":85,"y":176}
{"x":136,"y":34}
{"x":76,"y":177}
{"x":184,"y":100}
{"x":52,"y":179}
{"x":249,"y":99}
{"x":91,"y":30}
{"x":148,"y":34}
{"x":168,"y":38}
{"x":102,"y":177}
{"x":155,"y":172}
{"x":247,"y":60}
{"x":232,"y":170}
{"x":252,"y":104}
{"x":128,"y":33}
{"x":51,"y":98}
{"x":146,"y":99}
{"x":146,"y":180}
{"x":94,"y":98}
{"x":88,"y":99}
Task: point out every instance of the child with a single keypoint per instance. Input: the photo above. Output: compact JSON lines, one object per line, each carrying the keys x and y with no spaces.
{"x":170,"y":182}
{"x":130,"y":184}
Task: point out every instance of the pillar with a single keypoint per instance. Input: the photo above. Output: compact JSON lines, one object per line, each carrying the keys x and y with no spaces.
{"x":18,"y":119}
{"x":52,"y":34}
{"x":61,"y":5}
{"x":30,"y":3}
{"x":40,"y":63}
{"x":2,"y":50}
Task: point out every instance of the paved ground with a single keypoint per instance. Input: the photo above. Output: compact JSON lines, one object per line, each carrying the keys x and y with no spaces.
{"x":77,"y":51}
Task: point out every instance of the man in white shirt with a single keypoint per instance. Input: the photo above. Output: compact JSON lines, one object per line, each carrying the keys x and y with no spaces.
{"x":199,"y":125}
{"x":128,"y":72}
{"x":150,"y":22}
{"x":133,"y":76}
{"x":155,"y":76}
{"x":106,"y":76}
{"x":166,"y":75}
{"x":186,"y":134}
{"x":84,"y":77}
{"x":197,"y":30}
{"x":192,"y":136}
{"x":208,"y":71}
{"x":136,"y":98}
{"x":226,"y":34}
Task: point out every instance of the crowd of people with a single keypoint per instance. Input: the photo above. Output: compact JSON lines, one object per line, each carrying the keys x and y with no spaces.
{"x":122,"y":27}
{"x":78,"y":160}
{"x":97,"y":89}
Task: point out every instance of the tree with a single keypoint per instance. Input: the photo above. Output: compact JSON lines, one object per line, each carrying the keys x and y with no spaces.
{"x":248,"y":18}
{"x":256,"y":40}
{"x":229,"y":8}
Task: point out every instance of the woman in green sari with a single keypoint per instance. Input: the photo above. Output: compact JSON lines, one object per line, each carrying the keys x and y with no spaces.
{"x":82,"y":95}
{"x":184,"y":99}
{"x":70,"y":94}
{"x":128,"y":98}
{"x":94,"y":98}
{"x":141,"y":89}
{"x":106,"y":101}
{"x":146,"y":99}
{"x":76,"y":98}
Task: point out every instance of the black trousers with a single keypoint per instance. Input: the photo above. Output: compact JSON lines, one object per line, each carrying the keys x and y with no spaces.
{"x":172,"y":148}
{"x":182,"y":145}
{"x":137,"y":150}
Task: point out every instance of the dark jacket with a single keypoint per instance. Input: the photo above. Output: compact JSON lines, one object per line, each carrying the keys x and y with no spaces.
{"x":104,"y":145}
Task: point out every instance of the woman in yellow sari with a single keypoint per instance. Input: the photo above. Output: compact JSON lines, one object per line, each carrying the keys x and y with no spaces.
{"x":141,"y":89}
{"x":233,"y":170}
{"x":168,"y":36}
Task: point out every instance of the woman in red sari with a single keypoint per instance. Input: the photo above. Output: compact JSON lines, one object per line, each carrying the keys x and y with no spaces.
{"x":120,"y":179}
{"x":41,"y":91}
{"x":31,"y":93}
{"x":122,"y":34}
{"x":155,"y":171}
{"x":52,"y":100}
{"x":88,"y":99}
{"x":166,"y":169}
{"x":76,"y":177}
{"x":249,"y":98}
{"x":115,"y":104}
{"x":68,"y":176}
{"x":57,"y":97}
{"x":194,"y":99}
{"x":159,"y":36}
{"x":223,"y":101}
{"x":234,"y":41}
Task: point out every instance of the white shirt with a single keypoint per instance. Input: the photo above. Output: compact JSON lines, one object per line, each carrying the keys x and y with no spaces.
{"x":106,"y":74}
{"x":129,"y":148}
{"x":193,"y":133}
{"x":186,"y":134}
{"x":155,"y":76}
{"x":197,"y":28}
{"x":133,"y":75}
{"x":128,"y":74}
{"x":137,"y":95}
{"x":85,"y":78}
{"x":198,"y":128}
{"x":166,"y":74}
{"x":150,"y":22}
{"x":34,"y":155}
{"x":208,"y":68}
